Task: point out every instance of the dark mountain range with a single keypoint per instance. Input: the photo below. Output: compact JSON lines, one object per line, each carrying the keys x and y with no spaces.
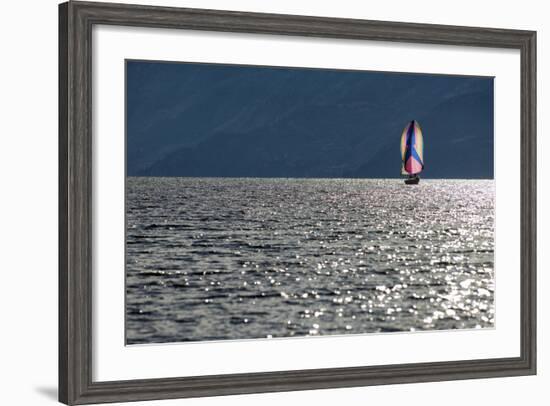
{"x":225,"y":120}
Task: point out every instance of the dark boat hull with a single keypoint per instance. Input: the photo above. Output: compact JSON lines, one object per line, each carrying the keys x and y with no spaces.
{"x":412,"y":181}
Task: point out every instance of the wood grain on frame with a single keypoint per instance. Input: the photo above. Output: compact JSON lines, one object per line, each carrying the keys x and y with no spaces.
{"x":75,"y":199}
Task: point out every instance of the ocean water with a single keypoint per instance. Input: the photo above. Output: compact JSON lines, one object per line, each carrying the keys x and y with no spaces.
{"x":220,"y":258}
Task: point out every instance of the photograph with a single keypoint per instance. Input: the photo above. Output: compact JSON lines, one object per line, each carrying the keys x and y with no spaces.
{"x":274,"y":201}
{"x":267,"y":202}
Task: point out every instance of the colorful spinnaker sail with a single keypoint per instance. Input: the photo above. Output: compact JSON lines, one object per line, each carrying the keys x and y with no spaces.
{"x":412,"y":149}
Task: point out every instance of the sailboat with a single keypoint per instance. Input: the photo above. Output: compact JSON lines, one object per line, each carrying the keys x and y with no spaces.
{"x":412,"y":152}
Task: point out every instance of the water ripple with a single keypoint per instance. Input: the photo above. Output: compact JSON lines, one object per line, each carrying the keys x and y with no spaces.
{"x":213,"y":259}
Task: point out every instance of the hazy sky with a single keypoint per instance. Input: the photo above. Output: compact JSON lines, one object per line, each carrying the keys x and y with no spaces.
{"x":186,"y":119}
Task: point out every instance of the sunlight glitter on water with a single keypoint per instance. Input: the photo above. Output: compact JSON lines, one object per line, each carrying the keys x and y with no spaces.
{"x":211,"y":259}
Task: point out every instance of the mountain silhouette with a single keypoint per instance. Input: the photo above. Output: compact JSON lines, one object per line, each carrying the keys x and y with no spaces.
{"x":242,"y":121}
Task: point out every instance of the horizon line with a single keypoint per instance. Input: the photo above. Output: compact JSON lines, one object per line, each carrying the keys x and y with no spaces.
{"x":298,"y":177}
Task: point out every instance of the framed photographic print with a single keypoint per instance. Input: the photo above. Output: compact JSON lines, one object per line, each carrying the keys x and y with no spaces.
{"x":257,"y":202}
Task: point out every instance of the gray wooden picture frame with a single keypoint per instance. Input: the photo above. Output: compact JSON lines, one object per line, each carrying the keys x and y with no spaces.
{"x":76,"y":20}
